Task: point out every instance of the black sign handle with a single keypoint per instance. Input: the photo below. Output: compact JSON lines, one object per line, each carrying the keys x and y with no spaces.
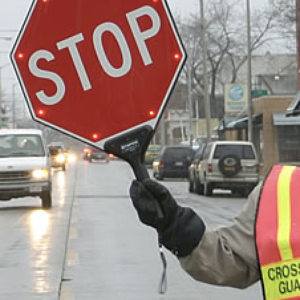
{"x":132,"y":147}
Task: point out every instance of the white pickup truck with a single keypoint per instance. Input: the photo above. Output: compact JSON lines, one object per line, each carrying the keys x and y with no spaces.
{"x":24,"y":166}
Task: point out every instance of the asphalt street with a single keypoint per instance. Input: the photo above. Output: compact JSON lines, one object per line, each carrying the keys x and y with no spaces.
{"x":91,"y":245}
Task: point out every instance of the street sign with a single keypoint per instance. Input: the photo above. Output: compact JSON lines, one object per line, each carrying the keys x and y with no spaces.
{"x":259,"y":93}
{"x":97,"y":69}
{"x":100,"y":71}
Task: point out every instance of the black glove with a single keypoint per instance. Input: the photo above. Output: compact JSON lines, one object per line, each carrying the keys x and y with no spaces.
{"x":180,"y":229}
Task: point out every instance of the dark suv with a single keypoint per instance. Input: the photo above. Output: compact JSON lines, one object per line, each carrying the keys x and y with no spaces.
{"x":173,"y":162}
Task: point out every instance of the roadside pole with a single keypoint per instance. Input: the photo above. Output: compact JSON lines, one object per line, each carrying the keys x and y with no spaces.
{"x":1,"y":67}
{"x":189,"y":78}
{"x":206,"y":98}
{"x":249,"y":76}
{"x":298,"y":41}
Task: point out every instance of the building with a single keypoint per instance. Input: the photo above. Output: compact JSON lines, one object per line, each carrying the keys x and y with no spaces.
{"x":277,"y":137}
{"x":273,"y":75}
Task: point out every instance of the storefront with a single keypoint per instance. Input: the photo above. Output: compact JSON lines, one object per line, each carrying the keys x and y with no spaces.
{"x":276,"y":136}
{"x":288,"y":133}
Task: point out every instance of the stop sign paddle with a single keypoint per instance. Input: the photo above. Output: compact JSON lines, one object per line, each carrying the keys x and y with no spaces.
{"x":100,"y":71}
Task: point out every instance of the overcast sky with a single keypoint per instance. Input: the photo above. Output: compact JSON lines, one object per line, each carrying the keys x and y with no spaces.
{"x":13,"y":12}
{"x":186,"y":7}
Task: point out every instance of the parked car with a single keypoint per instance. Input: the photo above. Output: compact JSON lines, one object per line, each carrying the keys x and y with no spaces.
{"x":195,"y":145}
{"x":152,"y":153}
{"x":173,"y":162}
{"x":86,"y":152}
{"x":58,"y":155}
{"x":24,"y":166}
{"x":113,"y":157}
{"x":202,"y":140}
{"x":98,"y":155}
{"x":228,"y":165}
{"x":194,"y":171}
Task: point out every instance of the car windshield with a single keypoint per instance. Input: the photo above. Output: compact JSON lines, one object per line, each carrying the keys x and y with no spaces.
{"x":12,"y":145}
{"x":54,"y":151}
{"x":154,"y":149}
{"x":96,"y":150}
{"x":242,"y":151}
{"x":178,"y":154}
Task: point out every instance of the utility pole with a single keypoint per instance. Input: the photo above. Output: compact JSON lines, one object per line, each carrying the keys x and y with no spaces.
{"x":298,"y":41}
{"x":1,"y":67}
{"x":4,"y":38}
{"x":163,"y":129}
{"x":189,"y":79}
{"x":14,"y":106}
{"x":1,"y":97}
{"x":249,"y":84}
{"x":206,"y":98}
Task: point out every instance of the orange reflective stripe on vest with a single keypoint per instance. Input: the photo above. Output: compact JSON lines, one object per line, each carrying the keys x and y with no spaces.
{"x":278,"y":233}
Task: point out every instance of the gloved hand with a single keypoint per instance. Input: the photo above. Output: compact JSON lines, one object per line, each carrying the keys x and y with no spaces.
{"x":146,"y":196}
{"x":180,"y":229}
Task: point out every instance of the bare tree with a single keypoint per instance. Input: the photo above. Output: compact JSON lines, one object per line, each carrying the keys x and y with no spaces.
{"x":285,"y":27}
{"x":286,"y":14}
{"x":226,"y":35}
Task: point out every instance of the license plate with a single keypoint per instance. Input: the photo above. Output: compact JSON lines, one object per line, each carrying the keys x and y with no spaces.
{"x":179,"y":164}
{"x":35,"y":189}
{"x":229,"y":168}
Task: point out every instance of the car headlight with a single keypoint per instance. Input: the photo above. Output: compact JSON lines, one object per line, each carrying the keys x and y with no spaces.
{"x":40,"y":174}
{"x":155,"y":164}
{"x":72,"y":158}
{"x":60,"y":158}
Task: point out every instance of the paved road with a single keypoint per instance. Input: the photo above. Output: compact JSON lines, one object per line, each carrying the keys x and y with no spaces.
{"x":92,"y":246}
{"x":33,"y":243}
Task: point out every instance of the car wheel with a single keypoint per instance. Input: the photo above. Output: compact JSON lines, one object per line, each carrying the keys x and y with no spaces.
{"x":199,"y":188}
{"x":208,"y":189}
{"x":159,"y":176}
{"x":230,"y":165}
{"x":191,"y":186}
{"x":46,"y":200}
{"x":247,"y":191}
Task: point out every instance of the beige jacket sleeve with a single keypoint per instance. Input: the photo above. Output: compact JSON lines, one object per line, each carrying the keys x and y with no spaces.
{"x":227,"y":256}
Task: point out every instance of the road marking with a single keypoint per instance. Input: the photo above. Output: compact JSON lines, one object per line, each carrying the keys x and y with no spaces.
{"x":73,"y":234}
{"x":72,"y":258}
{"x":74,"y":219}
{"x":66,"y":292}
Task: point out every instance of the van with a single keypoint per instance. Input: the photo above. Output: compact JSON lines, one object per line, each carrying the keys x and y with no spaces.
{"x":24,"y":166}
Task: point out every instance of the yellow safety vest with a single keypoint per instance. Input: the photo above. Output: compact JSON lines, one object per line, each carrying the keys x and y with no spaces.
{"x":277,"y":233}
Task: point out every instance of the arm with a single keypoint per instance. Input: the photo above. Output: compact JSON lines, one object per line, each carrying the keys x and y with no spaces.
{"x":227,"y":256}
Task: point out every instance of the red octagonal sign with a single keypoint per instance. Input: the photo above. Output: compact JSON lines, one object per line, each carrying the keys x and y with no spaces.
{"x":96,"y":69}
